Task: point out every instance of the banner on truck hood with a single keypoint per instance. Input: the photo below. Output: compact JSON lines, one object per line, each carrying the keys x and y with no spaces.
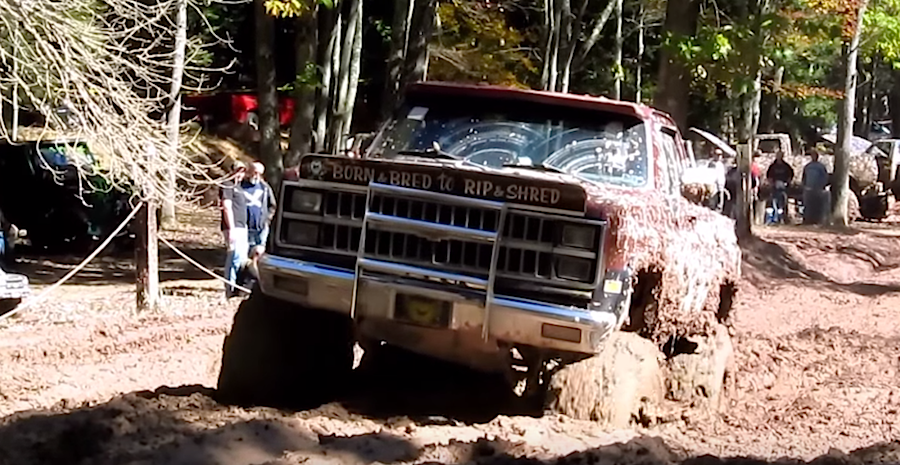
{"x":444,"y":178}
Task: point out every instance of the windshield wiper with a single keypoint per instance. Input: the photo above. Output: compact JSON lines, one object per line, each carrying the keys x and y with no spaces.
{"x":431,"y":152}
{"x":545,"y":168}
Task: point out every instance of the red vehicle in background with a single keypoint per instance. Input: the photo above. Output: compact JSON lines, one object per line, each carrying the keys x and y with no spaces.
{"x":229,"y":107}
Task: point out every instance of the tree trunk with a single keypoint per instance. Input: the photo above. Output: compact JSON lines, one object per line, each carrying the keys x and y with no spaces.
{"x":840,"y":185}
{"x":330,"y":32}
{"x":15,"y":92}
{"x":894,"y":104}
{"x":862,"y":103}
{"x":305,"y":95}
{"x":403,"y":10}
{"x":569,"y":32}
{"x":269,"y":127}
{"x":421,"y":29}
{"x":639,"y":69}
{"x":749,"y":110}
{"x":674,"y":81}
{"x":174,"y":126}
{"x":343,"y":108}
{"x":596,"y":30}
{"x":871,"y":113}
{"x":355,"y":68}
{"x":772,"y":102}
{"x":751,"y":95}
{"x":553,"y":17}
{"x":617,"y":54}
{"x":743,"y":223}
{"x":146,"y":258}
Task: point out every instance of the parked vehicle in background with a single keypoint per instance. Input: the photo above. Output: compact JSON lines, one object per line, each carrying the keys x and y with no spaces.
{"x":230,"y":107}
{"x":873,"y":172}
{"x":56,"y":190}
{"x":13,"y":288}
{"x":886,"y":154}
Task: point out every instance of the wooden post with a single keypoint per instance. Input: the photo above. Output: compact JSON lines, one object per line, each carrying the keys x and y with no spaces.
{"x":743,"y":223}
{"x":146,"y":251}
{"x":146,"y":258}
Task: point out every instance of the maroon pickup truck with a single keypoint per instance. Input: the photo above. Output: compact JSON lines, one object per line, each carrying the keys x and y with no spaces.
{"x":483,"y":222}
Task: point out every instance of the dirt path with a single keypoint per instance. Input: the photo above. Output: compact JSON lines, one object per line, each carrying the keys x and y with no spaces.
{"x":818,"y":367}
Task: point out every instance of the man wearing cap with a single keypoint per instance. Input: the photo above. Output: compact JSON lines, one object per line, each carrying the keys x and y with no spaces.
{"x":234,"y":225}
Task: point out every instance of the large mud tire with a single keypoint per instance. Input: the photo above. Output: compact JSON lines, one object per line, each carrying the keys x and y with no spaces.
{"x":699,"y":376}
{"x":622,"y":385}
{"x":399,"y":382}
{"x":282,"y":355}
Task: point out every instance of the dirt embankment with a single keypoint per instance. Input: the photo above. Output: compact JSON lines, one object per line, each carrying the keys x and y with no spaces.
{"x":817,"y":353}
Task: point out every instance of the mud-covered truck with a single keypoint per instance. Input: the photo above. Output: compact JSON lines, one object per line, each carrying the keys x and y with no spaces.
{"x":509,"y":231}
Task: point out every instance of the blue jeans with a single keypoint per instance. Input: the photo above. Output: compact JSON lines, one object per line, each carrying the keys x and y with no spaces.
{"x":258,"y":238}
{"x":237,"y":254}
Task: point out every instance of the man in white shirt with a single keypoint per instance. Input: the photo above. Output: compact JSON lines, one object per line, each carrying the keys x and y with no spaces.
{"x":717,"y":164}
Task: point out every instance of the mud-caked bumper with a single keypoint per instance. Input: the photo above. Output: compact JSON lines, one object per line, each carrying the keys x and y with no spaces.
{"x":380,"y":303}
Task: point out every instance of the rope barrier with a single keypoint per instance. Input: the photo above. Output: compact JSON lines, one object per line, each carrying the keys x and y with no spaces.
{"x":201,"y":267}
{"x":31,"y":301}
{"x":43,"y":295}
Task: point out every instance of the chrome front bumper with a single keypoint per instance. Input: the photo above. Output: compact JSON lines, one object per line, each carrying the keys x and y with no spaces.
{"x":510,"y":320}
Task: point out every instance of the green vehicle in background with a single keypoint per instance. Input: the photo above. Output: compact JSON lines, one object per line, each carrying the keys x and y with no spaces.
{"x":57,"y":191}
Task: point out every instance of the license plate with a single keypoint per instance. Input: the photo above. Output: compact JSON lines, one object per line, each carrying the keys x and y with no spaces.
{"x":423,"y":311}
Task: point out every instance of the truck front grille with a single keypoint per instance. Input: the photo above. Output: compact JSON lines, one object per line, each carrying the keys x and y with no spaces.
{"x":529,"y":248}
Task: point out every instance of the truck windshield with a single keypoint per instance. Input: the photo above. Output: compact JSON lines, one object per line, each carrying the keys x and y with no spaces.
{"x":607,"y":149}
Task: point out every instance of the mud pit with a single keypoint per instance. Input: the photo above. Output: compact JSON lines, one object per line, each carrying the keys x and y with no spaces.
{"x":817,"y":354}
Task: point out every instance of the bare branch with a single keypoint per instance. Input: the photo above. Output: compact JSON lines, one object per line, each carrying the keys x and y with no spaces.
{"x":108,"y":63}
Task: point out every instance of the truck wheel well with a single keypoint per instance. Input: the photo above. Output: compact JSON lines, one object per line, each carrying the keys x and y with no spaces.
{"x":643,"y":313}
{"x":727,"y":292}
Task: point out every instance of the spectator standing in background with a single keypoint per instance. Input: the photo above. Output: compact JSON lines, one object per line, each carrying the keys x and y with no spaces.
{"x":780,"y":171}
{"x":260,"y":200}
{"x":717,"y":164}
{"x":779,"y":175}
{"x":234,"y":226}
{"x":815,"y":197}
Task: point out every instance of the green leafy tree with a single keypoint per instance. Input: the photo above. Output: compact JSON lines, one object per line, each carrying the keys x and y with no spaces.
{"x":476,"y":43}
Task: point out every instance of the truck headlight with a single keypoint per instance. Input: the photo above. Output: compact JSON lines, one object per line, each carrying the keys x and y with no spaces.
{"x":306,"y":202}
{"x":582,"y":237}
{"x":575,"y":269}
{"x":300,"y":233}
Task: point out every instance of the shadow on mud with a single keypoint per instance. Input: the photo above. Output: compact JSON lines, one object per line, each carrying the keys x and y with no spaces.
{"x":115,"y":266}
{"x":432,"y":391}
{"x":775,"y":262}
{"x":185,"y":425}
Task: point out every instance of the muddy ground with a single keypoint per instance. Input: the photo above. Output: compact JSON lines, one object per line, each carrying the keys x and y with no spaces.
{"x":83,"y":379}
